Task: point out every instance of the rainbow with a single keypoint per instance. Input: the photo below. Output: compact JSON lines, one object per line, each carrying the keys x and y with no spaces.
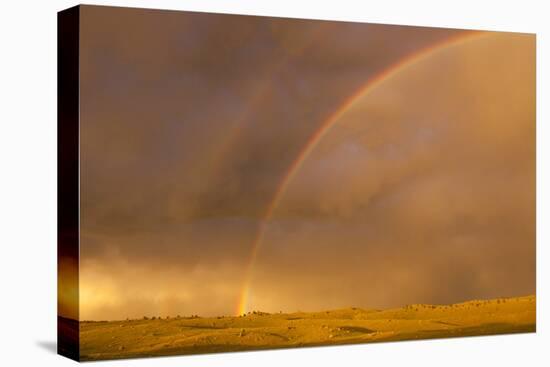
{"x":229,"y":139}
{"x":365,"y":89}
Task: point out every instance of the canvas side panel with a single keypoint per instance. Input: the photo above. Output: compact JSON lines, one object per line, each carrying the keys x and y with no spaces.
{"x":68,"y":22}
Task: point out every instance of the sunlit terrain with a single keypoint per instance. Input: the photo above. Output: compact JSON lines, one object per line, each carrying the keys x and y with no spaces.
{"x":258,"y":330}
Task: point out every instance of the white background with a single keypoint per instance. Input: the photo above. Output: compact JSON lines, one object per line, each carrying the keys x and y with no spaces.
{"x":28,"y":182}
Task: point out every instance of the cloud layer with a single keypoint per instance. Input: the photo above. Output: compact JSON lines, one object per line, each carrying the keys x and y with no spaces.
{"x":423,"y":192}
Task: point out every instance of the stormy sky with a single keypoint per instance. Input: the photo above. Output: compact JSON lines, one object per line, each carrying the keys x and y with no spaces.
{"x":423,"y":191}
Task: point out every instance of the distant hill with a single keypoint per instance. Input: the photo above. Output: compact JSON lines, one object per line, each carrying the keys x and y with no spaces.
{"x":193,"y":335}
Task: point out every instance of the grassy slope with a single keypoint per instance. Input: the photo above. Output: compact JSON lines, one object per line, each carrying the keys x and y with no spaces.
{"x":140,"y":338}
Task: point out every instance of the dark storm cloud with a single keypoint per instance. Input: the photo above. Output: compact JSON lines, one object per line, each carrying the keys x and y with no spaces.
{"x":434,"y":199}
{"x":160,"y":89}
{"x":189,"y":121}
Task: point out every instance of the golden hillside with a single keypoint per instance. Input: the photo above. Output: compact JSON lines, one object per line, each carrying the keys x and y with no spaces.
{"x":190,"y":335}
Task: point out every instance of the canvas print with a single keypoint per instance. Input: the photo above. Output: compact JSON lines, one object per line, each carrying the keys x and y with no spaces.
{"x":232,"y":183}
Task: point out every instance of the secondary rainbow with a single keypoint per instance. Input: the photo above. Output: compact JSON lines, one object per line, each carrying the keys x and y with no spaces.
{"x":229,"y":140}
{"x":370,"y":85}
